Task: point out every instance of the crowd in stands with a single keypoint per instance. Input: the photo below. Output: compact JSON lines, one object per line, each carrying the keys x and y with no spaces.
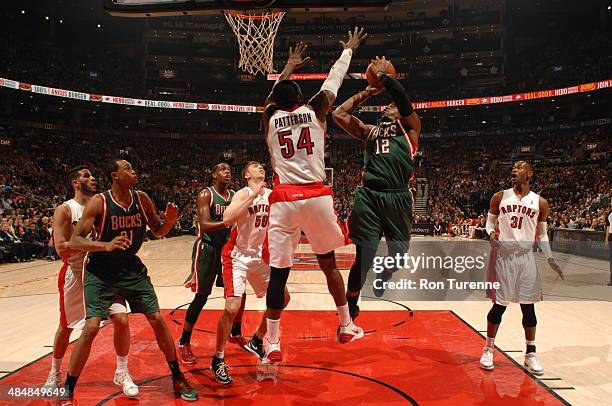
{"x":461,"y":174}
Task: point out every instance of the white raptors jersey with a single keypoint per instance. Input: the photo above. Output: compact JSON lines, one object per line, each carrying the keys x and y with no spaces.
{"x":75,"y":261}
{"x":518,"y":220}
{"x":296,"y":140}
{"x":250,"y":232}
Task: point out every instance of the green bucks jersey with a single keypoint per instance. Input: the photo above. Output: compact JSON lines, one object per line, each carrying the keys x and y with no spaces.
{"x":117,"y":220}
{"x":388,"y":157}
{"x":218,"y":204}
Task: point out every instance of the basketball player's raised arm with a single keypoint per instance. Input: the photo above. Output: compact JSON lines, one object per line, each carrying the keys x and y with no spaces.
{"x":542,"y":236}
{"x":62,"y":222}
{"x":158,"y":227}
{"x":240,"y":204}
{"x":295,"y":61}
{"x":343,"y":115}
{"x":322,"y":101}
{"x":203,"y":213}
{"x":409,"y":119}
{"x":492,"y":217}
{"x":79,"y":240}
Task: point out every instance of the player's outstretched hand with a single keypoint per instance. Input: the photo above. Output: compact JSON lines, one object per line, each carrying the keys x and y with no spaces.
{"x":373,"y":91}
{"x":171,"y":212}
{"x":555,"y":267}
{"x":296,"y":56}
{"x":355,"y":39}
{"x":494,"y":239}
{"x":380,"y":65}
{"x":118,"y":243}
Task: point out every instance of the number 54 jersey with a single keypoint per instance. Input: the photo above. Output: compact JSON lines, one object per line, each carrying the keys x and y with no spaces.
{"x":296,"y":139}
{"x":517,"y":220}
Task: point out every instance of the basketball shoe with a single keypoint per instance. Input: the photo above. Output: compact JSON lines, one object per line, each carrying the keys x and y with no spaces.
{"x":349,"y":333}
{"x":532,"y":364}
{"x":486,"y":360}
{"x":185,"y":353}
{"x":123,"y":379}
{"x":255,"y":347}
{"x":53,"y":380}
{"x":183,"y":389}
{"x":238,"y":339}
{"x":220,"y":370}
{"x":273,"y":353}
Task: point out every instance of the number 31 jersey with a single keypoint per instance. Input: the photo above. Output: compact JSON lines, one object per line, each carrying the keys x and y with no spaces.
{"x":518,"y":219}
{"x":296,"y":139}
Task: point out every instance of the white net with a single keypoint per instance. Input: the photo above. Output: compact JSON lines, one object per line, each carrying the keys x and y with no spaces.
{"x":256,"y":34}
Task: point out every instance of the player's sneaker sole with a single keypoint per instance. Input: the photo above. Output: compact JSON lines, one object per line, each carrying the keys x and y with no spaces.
{"x":487,"y":368}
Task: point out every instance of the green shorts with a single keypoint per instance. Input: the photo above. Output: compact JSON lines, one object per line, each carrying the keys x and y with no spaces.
{"x":103,"y":282}
{"x":205,"y":266}
{"x":376,"y":214}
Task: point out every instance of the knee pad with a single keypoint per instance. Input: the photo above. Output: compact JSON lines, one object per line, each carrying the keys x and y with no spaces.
{"x":195,"y":307}
{"x":275,"y":296}
{"x":495,"y":314}
{"x":529,"y":316}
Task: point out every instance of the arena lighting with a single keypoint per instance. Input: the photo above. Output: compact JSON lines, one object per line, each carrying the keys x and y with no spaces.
{"x":99,"y":25}
{"x":22,"y":11}
{"x":47,"y":18}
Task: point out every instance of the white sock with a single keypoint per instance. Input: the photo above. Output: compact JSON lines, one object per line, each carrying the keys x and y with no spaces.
{"x":491,"y":342}
{"x":273,"y":330}
{"x":343,"y":314}
{"x":122,"y":363}
{"x":56,"y":364}
{"x":220,"y":354}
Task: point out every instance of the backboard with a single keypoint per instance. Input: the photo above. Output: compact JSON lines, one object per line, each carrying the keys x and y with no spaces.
{"x":152,"y":8}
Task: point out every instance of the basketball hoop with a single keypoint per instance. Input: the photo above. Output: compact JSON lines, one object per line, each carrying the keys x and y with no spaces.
{"x":256,"y":31}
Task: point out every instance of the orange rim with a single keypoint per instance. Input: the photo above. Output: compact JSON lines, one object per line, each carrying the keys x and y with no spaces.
{"x":253,"y":16}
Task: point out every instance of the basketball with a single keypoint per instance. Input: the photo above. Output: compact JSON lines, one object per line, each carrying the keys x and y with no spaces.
{"x":373,"y":79}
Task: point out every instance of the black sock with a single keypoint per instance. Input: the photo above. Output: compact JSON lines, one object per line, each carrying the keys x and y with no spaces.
{"x":185,"y":337}
{"x":71,"y":383}
{"x":175,"y":369}
{"x":257,"y":340}
{"x":352,"y":300}
{"x":530,"y":348}
{"x":216,"y":360}
{"x":237,"y":329}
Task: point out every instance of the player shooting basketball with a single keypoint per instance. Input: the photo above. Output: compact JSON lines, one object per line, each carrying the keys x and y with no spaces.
{"x":383,"y":203}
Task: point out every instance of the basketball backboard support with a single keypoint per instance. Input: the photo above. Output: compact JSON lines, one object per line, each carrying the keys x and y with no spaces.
{"x":159,"y":8}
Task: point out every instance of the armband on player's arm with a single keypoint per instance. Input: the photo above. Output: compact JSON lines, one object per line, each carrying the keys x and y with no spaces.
{"x":398,"y":94}
{"x":542,"y":237}
{"x":338,"y":71}
{"x":491,"y":221}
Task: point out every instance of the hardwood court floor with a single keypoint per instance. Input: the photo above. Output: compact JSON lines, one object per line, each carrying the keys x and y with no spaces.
{"x":574,"y":330}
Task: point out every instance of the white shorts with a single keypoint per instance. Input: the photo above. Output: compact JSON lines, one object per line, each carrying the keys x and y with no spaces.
{"x":239,"y":268}
{"x":518,"y":277}
{"x":72,"y":304}
{"x":315,"y":217}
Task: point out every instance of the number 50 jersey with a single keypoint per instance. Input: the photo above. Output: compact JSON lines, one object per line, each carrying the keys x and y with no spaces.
{"x":296,"y":139}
